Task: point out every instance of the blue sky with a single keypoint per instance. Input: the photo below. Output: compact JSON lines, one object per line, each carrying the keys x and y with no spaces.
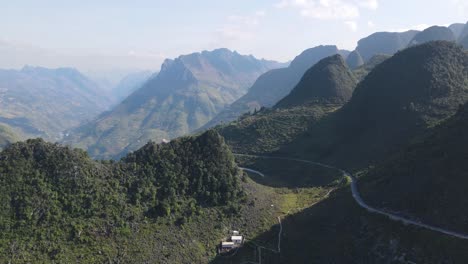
{"x":104,"y":34}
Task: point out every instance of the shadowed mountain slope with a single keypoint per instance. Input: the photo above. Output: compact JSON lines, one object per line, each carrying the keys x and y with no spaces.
{"x":273,"y":85}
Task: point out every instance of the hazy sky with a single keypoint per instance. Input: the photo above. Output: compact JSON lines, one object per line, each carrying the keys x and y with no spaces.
{"x":120,"y":34}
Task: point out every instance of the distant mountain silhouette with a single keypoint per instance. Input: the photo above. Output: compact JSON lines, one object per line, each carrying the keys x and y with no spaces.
{"x":384,"y":43}
{"x":457,"y":29}
{"x":273,"y":85}
{"x":354,"y":60}
{"x":431,"y":34}
{"x":131,"y":83}
{"x":464,"y":33}
{"x":187,"y":92}
{"x":44,"y":102}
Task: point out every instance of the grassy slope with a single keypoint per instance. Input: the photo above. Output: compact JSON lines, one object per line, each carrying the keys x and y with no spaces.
{"x":321,"y":228}
{"x":268,"y":130}
{"x":336,"y":230}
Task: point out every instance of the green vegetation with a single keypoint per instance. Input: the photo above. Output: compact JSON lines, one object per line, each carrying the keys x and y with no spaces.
{"x":415,"y":89}
{"x":337,"y":230}
{"x":327,"y":82}
{"x":59,"y":205}
{"x":426,"y":179}
{"x":268,"y":130}
{"x":323,"y":89}
{"x":273,"y":85}
{"x":361,"y":72}
{"x":187,"y":93}
{"x":409,"y":98}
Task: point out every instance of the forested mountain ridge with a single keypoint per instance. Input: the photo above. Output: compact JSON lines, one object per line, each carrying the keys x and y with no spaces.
{"x":325,"y":87}
{"x":329,"y":81}
{"x":425,"y":179}
{"x":187,"y":93}
{"x":59,"y":205}
{"x":415,"y":89}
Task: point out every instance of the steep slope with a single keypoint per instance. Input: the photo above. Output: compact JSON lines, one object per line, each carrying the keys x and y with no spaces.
{"x":384,"y":43}
{"x":354,"y":60}
{"x":328,"y":81}
{"x":324,"y":88}
{"x":130,"y":83}
{"x":403,"y":96}
{"x":44,"y":102}
{"x":273,"y":85}
{"x":457,"y":29}
{"x":431,"y":34}
{"x":187,"y":92}
{"x":361,"y":72}
{"x":58,"y":205}
{"x":464,"y":32}
{"x":426,"y":180}
{"x":464,"y":42}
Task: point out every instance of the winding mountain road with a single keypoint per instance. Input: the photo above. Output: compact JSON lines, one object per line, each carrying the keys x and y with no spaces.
{"x":357,"y":197}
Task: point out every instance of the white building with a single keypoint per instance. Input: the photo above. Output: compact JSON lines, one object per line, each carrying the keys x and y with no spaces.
{"x":235,"y":233}
{"x":236,"y":239}
{"x":227,"y":245}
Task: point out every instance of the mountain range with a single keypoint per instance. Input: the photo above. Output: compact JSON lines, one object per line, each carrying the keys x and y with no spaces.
{"x":41,"y":102}
{"x":187,"y":93}
{"x":415,"y":89}
{"x":273,"y":85}
{"x":322,"y":162}
{"x":130,"y":83}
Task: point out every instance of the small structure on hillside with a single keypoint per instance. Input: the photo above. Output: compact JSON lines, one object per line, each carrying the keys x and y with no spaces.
{"x":165,"y":141}
{"x":237,"y":240}
{"x":227,"y":245}
{"x":233,"y":242}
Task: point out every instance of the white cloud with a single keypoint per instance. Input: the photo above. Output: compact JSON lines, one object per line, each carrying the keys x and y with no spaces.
{"x":329,"y":9}
{"x":352,"y":25}
{"x":369,"y":4}
{"x":370,"y":24}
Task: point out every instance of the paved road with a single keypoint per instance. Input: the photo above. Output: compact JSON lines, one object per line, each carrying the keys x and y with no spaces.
{"x":253,"y":171}
{"x":357,"y":197}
